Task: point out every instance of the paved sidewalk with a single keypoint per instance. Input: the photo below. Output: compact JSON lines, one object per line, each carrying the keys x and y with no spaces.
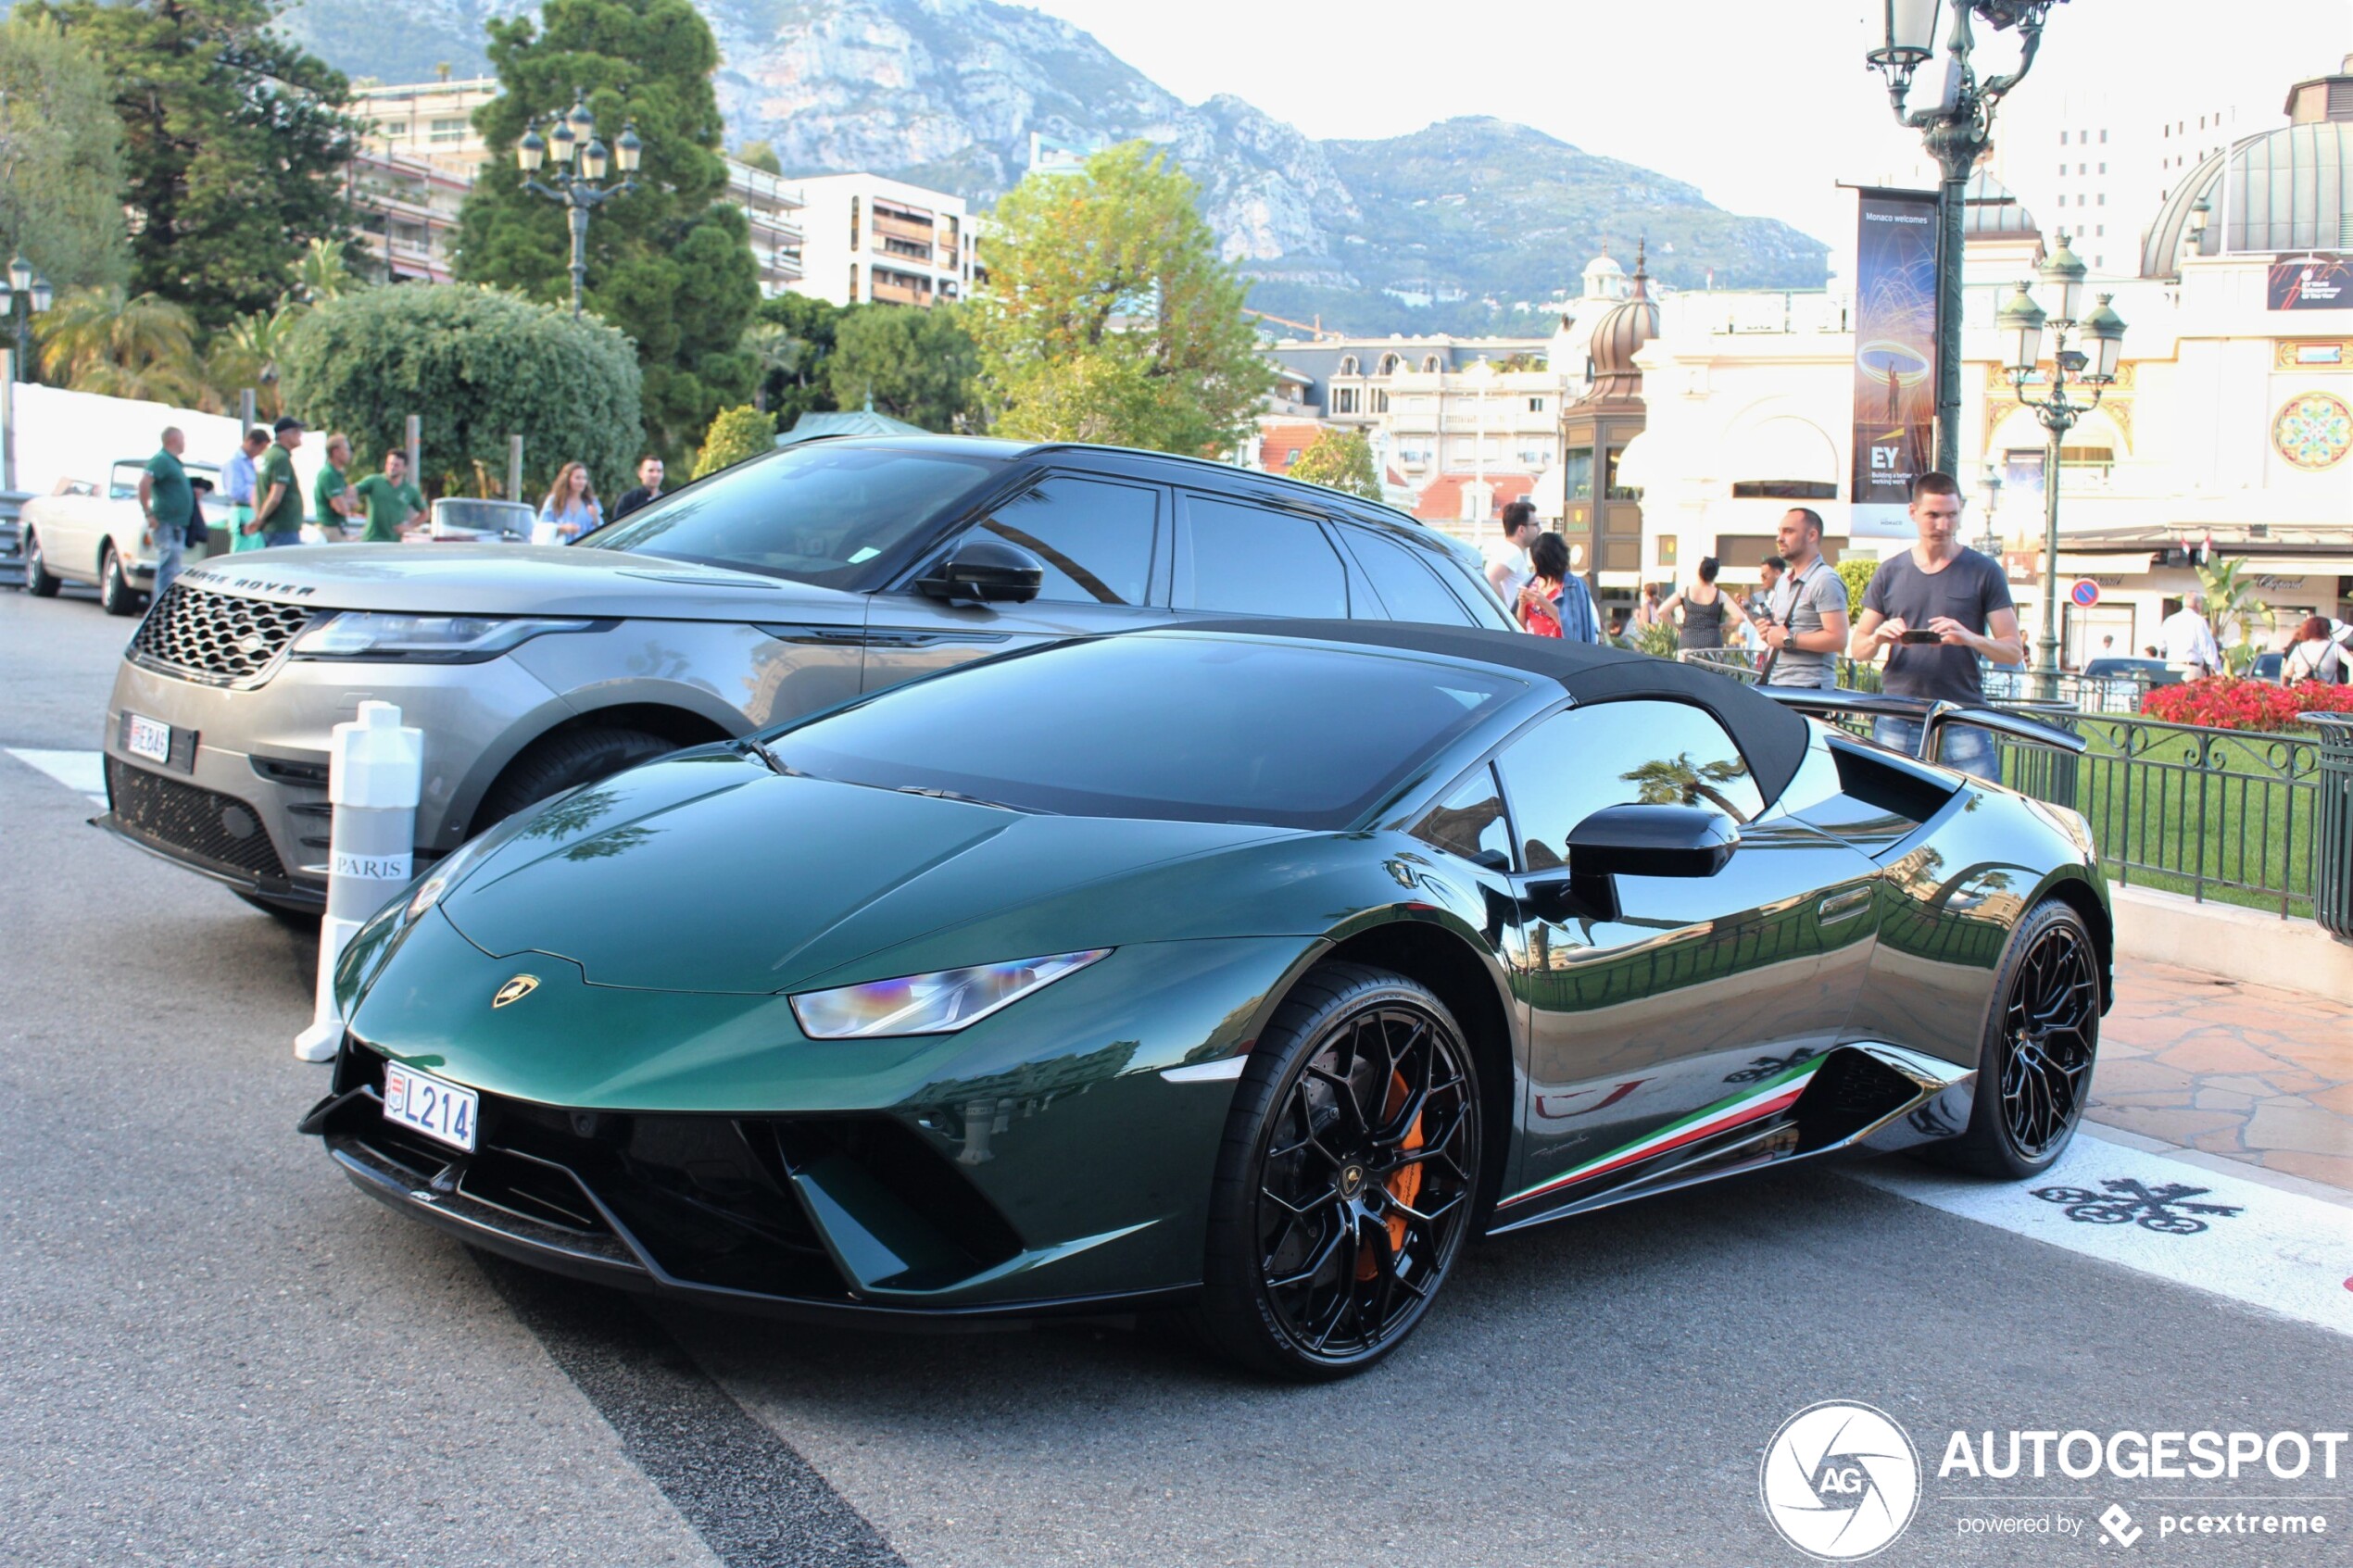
{"x":2247,"y":1071}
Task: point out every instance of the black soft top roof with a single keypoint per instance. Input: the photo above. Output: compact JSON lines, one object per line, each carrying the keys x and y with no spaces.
{"x":1773,"y":738}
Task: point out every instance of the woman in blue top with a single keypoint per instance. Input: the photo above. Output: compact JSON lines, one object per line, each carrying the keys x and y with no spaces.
{"x":571,"y":504}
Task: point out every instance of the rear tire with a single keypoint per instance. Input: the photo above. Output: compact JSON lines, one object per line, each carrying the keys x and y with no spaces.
{"x":115,"y":595}
{"x":558,"y":762}
{"x":2041,"y":1041}
{"x":38,"y":580}
{"x":1347,"y":1180}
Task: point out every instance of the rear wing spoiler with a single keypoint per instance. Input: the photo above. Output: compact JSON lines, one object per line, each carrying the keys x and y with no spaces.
{"x":1934,"y":715}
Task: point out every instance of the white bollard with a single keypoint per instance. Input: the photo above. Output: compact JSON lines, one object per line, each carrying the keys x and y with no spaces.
{"x":375,"y":771}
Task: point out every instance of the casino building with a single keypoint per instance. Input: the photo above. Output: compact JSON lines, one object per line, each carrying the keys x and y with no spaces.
{"x":2228,"y":433}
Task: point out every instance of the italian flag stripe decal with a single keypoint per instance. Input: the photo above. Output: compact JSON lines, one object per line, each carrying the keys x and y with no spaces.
{"x":1777,"y":1093}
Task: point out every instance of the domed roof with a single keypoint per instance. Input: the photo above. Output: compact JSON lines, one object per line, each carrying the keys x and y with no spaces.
{"x":1603,"y":266}
{"x":2289,"y":190}
{"x":1989,"y":209}
{"x":1622,"y":329}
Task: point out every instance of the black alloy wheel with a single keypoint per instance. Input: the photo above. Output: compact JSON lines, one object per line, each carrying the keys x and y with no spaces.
{"x":1349,"y":1178}
{"x":2034,"y":1071}
{"x":38,"y":579}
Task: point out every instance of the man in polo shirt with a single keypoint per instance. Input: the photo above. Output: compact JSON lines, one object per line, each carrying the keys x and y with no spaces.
{"x":1809,"y":628}
{"x":278,"y":512}
{"x":332,"y":504}
{"x":168,"y":502}
{"x":392,"y":503}
{"x":1939,"y":585}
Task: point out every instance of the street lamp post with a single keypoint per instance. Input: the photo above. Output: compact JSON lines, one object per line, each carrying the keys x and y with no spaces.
{"x":1958,"y":129}
{"x":2021,"y":322}
{"x":579,"y":189}
{"x":24,"y":295}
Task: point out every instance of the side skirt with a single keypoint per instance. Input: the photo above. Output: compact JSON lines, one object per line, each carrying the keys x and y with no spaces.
{"x":1868,"y":1093}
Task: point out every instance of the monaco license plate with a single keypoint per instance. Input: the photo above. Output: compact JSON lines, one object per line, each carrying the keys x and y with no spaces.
{"x":150,"y":738}
{"x":444,"y":1111}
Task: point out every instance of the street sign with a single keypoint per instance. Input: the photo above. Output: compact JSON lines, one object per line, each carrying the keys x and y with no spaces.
{"x":2085,"y":593}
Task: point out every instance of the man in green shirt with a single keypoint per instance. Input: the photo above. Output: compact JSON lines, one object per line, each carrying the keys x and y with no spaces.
{"x":391,"y":502}
{"x":278,"y":509}
{"x":169,"y":503}
{"x":330,"y":502}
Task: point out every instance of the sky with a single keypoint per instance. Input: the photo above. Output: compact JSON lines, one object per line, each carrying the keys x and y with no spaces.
{"x":1761,"y":112}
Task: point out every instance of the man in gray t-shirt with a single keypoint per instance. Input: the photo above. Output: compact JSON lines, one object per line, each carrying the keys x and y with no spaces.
{"x":1808,"y":627}
{"x":1940,"y":590}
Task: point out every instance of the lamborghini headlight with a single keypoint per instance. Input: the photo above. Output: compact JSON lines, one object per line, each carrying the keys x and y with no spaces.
{"x":940,"y":1003}
{"x":444,"y":877}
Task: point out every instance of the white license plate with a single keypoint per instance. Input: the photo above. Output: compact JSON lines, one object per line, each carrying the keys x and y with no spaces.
{"x":435,"y":1107}
{"x":148,"y":739}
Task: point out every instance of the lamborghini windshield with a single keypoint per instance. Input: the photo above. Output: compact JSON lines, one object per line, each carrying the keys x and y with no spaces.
{"x":1166,"y":725}
{"x":829,"y":512}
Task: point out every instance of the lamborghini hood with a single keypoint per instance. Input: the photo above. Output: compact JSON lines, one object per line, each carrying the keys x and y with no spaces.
{"x":708,"y":872}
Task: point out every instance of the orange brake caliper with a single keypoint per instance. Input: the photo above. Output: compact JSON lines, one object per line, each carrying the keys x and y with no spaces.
{"x":1407,"y":1185}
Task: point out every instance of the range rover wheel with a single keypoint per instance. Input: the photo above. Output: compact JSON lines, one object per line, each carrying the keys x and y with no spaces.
{"x":1347,"y":1179}
{"x":558,"y":762}
{"x":115,"y":595}
{"x":2034,"y":1067}
{"x":38,"y":580}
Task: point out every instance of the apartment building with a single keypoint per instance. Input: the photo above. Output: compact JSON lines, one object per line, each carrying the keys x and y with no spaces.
{"x":872,"y":240}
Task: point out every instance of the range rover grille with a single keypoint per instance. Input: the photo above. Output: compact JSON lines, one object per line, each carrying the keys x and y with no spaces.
{"x":219,"y":639}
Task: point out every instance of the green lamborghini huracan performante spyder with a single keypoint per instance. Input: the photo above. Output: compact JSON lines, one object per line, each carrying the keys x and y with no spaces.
{"x":1241,"y":969}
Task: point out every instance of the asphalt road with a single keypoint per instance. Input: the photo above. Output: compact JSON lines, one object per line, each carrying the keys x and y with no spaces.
{"x":218,"y":1351}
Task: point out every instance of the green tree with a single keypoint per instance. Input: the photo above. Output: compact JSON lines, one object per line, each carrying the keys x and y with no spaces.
{"x":805,"y":387}
{"x":246,"y":354}
{"x":1342,"y":459}
{"x":1856,"y":572}
{"x":760,"y":155}
{"x":93,"y":339}
{"x":736,"y":435}
{"x":917,"y":364}
{"x":478,"y":366}
{"x":235,"y":145}
{"x":2236,"y":612}
{"x":1111,"y":278}
{"x":61,"y":163}
{"x":670,"y":263}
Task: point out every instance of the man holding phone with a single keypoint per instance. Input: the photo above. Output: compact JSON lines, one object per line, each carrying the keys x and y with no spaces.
{"x":1935,"y":609}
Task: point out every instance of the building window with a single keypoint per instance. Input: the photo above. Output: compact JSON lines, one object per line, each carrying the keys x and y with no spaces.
{"x":1429,"y":364}
{"x":2103,"y":138}
{"x":1577,"y":473}
{"x":853,"y":282}
{"x":1390,"y":364}
{"x":854,"y":230}
{"x":1380,"y":400}
{"x":2103,"y":168}
{"x":2103,"y":199}
{"x":1611,"y":489}
{"x":1348,"y":365}
{"x":1783,"y":489}
{"x":1343,"y":400}
{"x":1535,"y":405}
{"x":1667,"y":547}
{"x":448,"y":130}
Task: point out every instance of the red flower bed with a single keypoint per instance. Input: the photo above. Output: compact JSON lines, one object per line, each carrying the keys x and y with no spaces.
{"x":2226,"y":702}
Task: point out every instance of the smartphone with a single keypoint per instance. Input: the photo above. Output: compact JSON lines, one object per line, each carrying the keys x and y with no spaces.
{"x":1917,"y":637}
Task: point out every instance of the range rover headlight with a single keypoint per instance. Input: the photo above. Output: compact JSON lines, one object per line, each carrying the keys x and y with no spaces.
{"x":424,"y":639}
{"x":938,"y":1003}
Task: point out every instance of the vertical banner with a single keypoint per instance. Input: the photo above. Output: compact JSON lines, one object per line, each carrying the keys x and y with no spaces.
{"x":1894,"y":358}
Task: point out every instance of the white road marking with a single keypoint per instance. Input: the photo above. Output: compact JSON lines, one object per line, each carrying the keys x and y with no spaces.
{"x":81,"y":771}
{"x":2281,"y":1252}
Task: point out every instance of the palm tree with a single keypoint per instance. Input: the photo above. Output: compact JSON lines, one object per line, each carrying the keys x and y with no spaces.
{"x":245,"y":354}
{"x":1678,"y":784}
{"x":320,"y":274}
{"x":774,"y":351}
{"x":93,"y":339}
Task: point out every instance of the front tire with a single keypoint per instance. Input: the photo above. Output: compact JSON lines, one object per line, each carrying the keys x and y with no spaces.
{"x":2042,"y":1040}
{"x":115,"y":595}
{"x":558,"y":762}
{"x":38,"y":579}
{"x":1347,"y":1179}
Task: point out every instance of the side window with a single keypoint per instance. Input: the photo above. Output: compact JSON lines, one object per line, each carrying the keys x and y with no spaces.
{"x":1095,"y":538}
{"x":1405,"y":585}
{"x":1620,"y":753}
{"x":1254,"y":560}
{"x":1470,"y":822}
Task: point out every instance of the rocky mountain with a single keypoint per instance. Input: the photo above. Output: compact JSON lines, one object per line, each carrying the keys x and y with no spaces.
{"x":1469,"y":225}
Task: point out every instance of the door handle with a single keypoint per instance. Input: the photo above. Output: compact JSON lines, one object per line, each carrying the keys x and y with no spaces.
{"x":1844,"y":905}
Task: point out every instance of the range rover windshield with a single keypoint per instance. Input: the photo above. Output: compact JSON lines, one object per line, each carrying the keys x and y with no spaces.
{"x":829,"y":512}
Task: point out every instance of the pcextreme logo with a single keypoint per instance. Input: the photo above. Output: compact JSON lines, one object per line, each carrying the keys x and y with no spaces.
{"x":1840,"y":1481}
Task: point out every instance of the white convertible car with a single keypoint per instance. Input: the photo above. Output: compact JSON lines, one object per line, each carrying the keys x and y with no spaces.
{"x":80,"y":535}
